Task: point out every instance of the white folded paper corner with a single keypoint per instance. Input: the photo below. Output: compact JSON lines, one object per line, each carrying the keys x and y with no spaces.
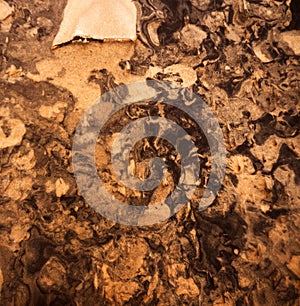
{"x":98,"y":19}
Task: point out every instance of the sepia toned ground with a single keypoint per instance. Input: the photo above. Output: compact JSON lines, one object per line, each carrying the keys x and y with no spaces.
{"x":242,"y":57}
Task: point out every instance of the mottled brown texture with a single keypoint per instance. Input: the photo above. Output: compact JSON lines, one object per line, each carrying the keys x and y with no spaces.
{"x":243,"y":250}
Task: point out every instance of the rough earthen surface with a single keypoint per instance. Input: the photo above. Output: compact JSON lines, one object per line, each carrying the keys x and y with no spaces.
{"x":242,"y":58}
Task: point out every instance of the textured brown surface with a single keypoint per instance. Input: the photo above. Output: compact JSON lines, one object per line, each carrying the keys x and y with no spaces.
{"x":241,"y":58}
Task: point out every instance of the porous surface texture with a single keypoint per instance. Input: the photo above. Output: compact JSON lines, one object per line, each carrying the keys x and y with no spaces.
{"x":242,"y":59}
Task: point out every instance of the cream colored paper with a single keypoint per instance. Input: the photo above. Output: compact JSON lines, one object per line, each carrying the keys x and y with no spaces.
{"x":98,"y":19}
